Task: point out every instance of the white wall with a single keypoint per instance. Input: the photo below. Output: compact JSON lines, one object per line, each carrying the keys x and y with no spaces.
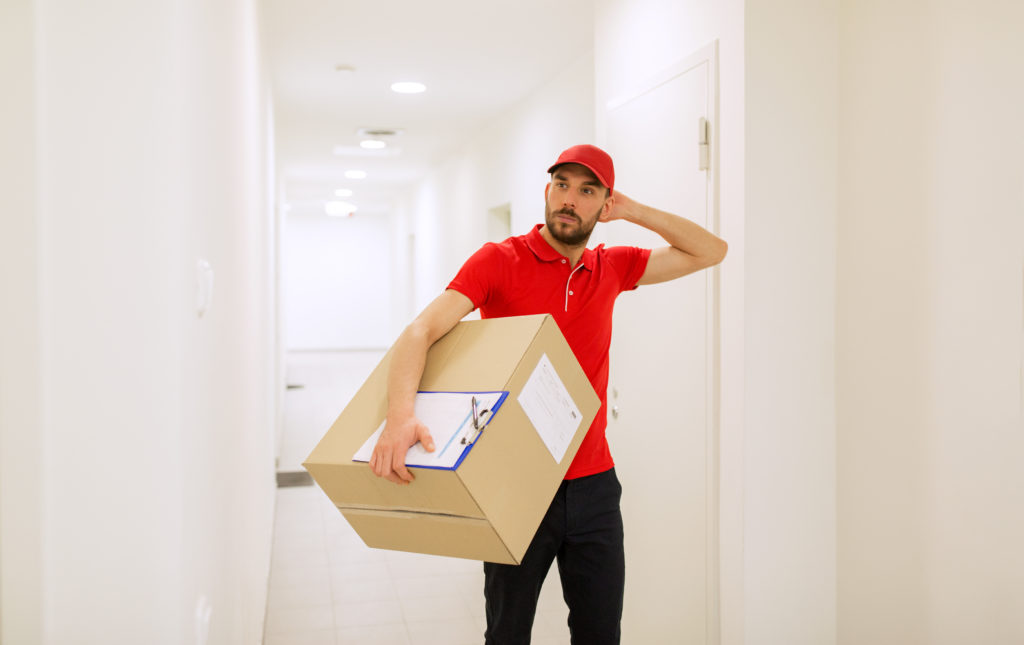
{"x":791,"y":151}
{"x":931,"y":263}
{"x":150,"y":426}
{"x":21,"y":566}
{"x":337,"y":277}
{"x":505,"y":163}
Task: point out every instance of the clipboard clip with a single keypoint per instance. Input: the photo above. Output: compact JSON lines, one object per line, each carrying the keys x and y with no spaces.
{"x":477,"y":423}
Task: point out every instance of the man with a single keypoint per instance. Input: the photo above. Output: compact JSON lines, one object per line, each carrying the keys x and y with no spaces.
{"x":550,"y":270}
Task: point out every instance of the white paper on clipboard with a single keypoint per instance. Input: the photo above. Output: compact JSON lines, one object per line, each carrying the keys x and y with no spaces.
{"x":449,"y":417}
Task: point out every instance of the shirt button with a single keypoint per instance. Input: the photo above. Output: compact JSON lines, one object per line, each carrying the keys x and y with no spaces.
{"x":570,"y":293}
{"x":563,"y":260}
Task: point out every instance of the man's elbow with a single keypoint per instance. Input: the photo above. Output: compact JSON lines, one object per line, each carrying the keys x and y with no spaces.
{"x":716,"y":255}
{"x":417,"y":332}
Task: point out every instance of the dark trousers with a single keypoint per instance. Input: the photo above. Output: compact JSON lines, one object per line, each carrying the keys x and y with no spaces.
{"x":583,"y":530}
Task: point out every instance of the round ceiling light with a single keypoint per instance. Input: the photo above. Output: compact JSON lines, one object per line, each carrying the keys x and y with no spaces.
{"x":408,"y":87}
{"x":355,"y":174}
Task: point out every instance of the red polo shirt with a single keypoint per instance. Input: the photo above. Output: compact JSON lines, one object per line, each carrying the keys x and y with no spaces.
{"x":524,"y":275}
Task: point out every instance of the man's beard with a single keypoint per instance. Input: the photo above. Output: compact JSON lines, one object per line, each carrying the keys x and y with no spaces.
{"x":569,"y":238}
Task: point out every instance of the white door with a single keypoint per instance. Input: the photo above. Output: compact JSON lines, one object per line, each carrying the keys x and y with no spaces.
{"x":662,"y":427}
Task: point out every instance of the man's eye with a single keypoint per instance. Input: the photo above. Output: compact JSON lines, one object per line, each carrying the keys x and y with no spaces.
{"x":588,"y":191}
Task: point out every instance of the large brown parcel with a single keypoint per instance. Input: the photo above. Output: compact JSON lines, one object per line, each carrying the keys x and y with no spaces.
{"x":489,"y":506}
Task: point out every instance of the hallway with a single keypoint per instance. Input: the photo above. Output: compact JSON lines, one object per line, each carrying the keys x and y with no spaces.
{"x":326,"y":586}
{"x":864,"y":480}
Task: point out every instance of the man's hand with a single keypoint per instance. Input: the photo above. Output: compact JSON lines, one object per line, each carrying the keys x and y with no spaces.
{"x":388,"y":459}
{"x":621,"y":207}
{"x":691,"y":247}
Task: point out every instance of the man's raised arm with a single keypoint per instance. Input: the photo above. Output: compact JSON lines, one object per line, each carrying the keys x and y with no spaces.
{"x":408,"y":358}
{"x":691,"y":247}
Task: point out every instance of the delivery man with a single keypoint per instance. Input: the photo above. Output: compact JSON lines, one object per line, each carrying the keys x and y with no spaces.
{"x":550,"y":270}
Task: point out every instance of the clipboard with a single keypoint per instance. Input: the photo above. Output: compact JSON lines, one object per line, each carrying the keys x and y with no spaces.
{"x":455,"y":420}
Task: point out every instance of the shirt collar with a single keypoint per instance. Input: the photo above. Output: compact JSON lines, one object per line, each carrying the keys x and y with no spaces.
{"x":546,"y":253}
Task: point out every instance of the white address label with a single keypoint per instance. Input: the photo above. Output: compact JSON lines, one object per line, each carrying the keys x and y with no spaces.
{"x":550,"y":408}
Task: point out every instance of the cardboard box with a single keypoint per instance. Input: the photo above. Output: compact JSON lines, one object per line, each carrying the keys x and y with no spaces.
{"x":490,"y":505}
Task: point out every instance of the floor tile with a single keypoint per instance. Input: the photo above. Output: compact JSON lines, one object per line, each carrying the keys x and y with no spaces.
{"x":475,"y":602}
{"x":470,"y":585}
{"x":338,"y":533}
{"x":285,"y":577}
{"x":300,"y":557}
{"x":552,"y":625}
{"x":338,"y":553}
{"x":298,"y":596}
{"x":420,"y":587}
{"x":464,"y":631}
{"x":359,"y":614}
{"x":289,"y":523}
{"x":300,"y":619}
{"x":359,"y":570}
{"x":319,"y":637}
{"x":351,"y":590}
{"x":481,"y":622}
{"x":392,"y":634}
{"x":429,"y":608}
{"x":294,"y":527}
{"x":415,"y":565}
{"x":551,"y":595}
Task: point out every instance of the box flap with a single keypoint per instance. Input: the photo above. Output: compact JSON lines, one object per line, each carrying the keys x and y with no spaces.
{"x":488,"y":353}
{"x":474,"y":539}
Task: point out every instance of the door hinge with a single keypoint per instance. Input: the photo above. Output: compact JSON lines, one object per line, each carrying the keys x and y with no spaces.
{"x":703,"y":144}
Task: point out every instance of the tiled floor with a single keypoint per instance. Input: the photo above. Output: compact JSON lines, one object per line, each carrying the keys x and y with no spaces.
{"x":328,"y":588}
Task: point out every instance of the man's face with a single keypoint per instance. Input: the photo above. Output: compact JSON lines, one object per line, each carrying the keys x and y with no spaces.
{"x":575,"y":202}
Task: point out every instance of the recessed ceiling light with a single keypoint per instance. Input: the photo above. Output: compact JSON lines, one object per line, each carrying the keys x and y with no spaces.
{"x":343,"y":192}
{"x":343,"y":68}
{"x":408,"y":87}
{"x":373,"y":144}
{"x":339,"y":209}
{"x":355,"y":174}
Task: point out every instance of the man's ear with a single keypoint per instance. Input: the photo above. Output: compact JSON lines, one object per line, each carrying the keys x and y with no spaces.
{"x":546,"y":189}
{"x":606,"y":209}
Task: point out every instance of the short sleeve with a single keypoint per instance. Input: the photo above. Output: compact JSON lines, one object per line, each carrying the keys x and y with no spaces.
{"x":629,"y":263}
{"x":476,"y":278}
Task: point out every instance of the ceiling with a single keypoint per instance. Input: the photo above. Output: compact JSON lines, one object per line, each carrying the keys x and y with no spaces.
{"x":477,"y":59}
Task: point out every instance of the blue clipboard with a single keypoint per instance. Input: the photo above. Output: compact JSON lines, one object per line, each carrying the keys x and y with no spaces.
{"x":455,"y":420}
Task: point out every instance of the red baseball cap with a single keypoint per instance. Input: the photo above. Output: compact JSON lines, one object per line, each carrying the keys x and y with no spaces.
{"x":597,"y":160}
